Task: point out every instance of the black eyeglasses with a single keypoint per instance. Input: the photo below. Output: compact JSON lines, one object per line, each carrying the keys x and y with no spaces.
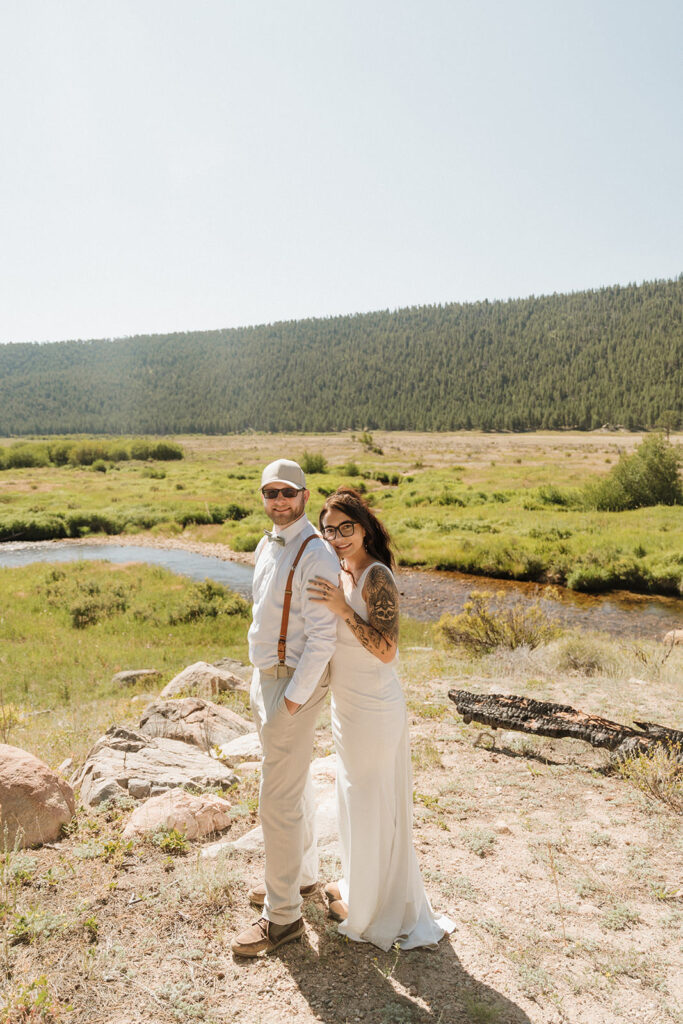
{"x":344,"y":530}
{"x":271,"y":493}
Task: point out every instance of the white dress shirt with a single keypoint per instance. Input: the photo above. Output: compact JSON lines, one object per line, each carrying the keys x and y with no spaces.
{"x":312,"y":629}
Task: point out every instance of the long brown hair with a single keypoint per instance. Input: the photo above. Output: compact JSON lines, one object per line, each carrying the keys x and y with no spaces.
{"x":377,"y":541}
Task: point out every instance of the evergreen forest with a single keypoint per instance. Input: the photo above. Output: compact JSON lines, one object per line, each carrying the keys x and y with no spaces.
{"x":582,"y":360}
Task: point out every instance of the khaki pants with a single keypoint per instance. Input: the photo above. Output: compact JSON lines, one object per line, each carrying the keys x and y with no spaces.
{"x":286,"y":800}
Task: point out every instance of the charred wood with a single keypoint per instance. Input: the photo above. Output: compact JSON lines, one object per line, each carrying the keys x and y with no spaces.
{"x":542,"y":718}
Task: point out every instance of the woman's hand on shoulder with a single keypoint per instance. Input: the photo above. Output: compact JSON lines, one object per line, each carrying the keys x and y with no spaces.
{"x":320,"y":589}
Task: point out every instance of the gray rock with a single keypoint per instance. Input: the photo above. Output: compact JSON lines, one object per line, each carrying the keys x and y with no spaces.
{"x":132,"y":677}
{"x":193,"y":720}
{"x":34,"y":801}
{"x":244,"y":748}
{"x":202,"y":680}
{"x":123,"y":756}
{"x":245,"y":672}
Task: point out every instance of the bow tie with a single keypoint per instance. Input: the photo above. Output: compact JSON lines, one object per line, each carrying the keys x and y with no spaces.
{"x":275,"y":537}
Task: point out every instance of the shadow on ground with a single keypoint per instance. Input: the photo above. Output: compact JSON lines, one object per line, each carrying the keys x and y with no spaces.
{"x":347,"y":982}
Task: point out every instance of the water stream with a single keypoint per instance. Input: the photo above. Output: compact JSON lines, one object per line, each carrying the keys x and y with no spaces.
{"x":425,"y":594}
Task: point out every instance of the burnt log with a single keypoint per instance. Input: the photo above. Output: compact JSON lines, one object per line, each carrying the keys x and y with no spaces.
{"x":542,"y":718}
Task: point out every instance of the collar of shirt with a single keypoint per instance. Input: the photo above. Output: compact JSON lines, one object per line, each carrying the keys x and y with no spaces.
{"x":293,"y":530}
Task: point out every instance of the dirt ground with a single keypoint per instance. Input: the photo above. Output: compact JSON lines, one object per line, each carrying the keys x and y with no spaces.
{"x":563,"y":880}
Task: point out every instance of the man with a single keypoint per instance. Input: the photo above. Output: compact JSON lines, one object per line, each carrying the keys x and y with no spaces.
{"x":291,"y":640}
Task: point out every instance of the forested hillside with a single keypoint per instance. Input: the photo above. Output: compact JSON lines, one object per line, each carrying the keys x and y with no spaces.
{"x":579,"y":360}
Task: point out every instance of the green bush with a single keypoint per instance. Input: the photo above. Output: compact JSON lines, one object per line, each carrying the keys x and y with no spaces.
{"x":99,"y":466}
{"x":165,"y":451}
{"x":313,"y":462}
{"x":59,"y":452}
{"x":32,"y":526}
{"x":27,"y":456}
{"x":140,"y":450}
{"x":209,"y":600}
{"x":551,"y":495}
{"x":350,"y":468}
{"x":227,"y":513}
{"x":94,"y":604}
{"x":246,"y":542}
{"x":486,"y":623}
{"x":650,"y":476}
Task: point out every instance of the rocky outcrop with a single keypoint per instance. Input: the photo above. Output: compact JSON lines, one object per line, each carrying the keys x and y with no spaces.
{"x":192,"y":815}
{"x":324,"y":771}
{"x":203,"y":680}
{"x":34,"y":801}
{"x":124,"y":762}
{"x":193,"y":720}
{"x":132,"y":677}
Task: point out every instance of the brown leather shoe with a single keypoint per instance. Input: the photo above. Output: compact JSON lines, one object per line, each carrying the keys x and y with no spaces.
{"x":332,"y":892}
{"x":264,"y":936}
{"x":338,"y":910}
{"x":257,"y":894}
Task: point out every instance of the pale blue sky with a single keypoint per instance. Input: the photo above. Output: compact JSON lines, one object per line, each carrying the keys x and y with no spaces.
{"x":188,"y":164}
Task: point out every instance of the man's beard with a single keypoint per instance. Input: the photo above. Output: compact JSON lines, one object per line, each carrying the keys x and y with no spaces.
{"x":294,"y":512}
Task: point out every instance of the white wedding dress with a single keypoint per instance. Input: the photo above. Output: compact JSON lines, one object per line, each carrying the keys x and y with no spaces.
{"x":381,"y":882}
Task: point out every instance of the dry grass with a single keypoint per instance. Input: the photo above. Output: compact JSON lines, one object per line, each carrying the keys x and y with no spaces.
{"x":563,"y":877}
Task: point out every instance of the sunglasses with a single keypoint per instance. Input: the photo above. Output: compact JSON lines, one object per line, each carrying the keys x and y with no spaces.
{"x":271,"y":493}
{"x":344,"y":530}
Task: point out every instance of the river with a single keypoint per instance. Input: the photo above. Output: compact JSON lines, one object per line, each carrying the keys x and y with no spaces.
{"x":425,"y":594}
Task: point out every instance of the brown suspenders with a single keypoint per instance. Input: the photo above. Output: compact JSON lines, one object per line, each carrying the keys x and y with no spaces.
{"x":282,"y":642}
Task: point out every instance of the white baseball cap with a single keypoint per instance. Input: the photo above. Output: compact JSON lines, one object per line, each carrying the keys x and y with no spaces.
{"x":284,"y":471}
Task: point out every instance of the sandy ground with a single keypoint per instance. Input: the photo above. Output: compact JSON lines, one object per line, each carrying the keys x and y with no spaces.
{"x":564,"y":881}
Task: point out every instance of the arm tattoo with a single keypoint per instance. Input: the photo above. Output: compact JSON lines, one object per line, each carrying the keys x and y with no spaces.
{"x":380,"y":634}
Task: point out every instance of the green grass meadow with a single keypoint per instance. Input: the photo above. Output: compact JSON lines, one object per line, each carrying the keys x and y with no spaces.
{"x":507,"y":506}
{"x":67,"y":630}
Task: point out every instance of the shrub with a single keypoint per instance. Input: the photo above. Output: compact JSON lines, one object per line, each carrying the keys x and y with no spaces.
{"x":86,"y":453}
{"x":225,"y":513}
{"x":486,"y":623}
{"x":350,"y":468}
{"x":59,"y":452}
{"x":140,"y":450}
{"x":99,"y":466}
{"x":650,"y":476}
{"x":27,"y":456}
{"x":551,"y":495}
{"x":313,"y":462}
{"x":92,"y":605}
{"x":208,"y":600}
{"x":589,"y":655}
{"x":171,"y":841}
{"x":658,"y":775}
{"x":32,"y":526}
{"x":165,"y":451}
{"x":246,"y":542}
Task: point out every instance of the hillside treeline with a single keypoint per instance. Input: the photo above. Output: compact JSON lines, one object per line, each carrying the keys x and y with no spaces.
{"x":581,"y":360}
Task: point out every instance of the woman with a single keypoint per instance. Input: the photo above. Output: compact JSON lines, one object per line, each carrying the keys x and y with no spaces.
{"x":380,"y":897}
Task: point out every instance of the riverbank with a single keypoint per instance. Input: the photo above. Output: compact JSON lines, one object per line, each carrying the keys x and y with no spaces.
{"x":425,"y":594}
{"x":502,"y":506}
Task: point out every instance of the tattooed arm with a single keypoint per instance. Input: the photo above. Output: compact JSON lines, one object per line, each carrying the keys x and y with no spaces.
{"x":379,"y":635}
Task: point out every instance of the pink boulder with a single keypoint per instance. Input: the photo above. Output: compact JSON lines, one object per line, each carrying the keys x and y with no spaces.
{"x":193,"y":815}
{"x":34,"y":801}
